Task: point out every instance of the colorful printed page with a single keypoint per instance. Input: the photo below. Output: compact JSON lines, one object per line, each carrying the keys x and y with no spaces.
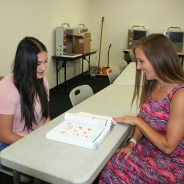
{"x":81,"y":129}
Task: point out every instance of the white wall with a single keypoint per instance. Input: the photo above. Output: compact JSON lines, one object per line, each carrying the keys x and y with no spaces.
{"x":121,"y":15}
{"x":38,"y":18}
{"x":20,"y":18}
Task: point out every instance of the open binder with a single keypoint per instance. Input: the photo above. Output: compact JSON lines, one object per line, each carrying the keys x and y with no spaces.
{"x":82,"y":129}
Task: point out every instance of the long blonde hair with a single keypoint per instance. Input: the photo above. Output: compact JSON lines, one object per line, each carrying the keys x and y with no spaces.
{"x":161,"y":54}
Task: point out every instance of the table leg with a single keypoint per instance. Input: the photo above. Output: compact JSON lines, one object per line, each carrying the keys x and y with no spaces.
{"x":37,"y":181}
{"x":64,"y":64}
{"x":57,"y":70}
{"x":16,"y":177}
{"x":182,"y":60}
{"x":89,"y":64}
{"x":82,"y":67}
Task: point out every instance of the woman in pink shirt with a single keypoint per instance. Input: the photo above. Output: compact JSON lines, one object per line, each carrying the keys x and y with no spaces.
{"x":24,"y":93}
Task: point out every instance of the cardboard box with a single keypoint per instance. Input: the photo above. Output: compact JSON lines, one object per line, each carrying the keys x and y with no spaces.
{"x":82,"y":43}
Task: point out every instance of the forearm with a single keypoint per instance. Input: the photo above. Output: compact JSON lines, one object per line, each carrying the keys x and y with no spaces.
{"x":136,"y":133}
{"x":10,"y":138}
{"x":164,"y":142}
{"x":159,"y":140}
{"x":135,"y":137}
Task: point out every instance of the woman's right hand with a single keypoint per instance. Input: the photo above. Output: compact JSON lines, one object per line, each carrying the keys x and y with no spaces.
{"x":127,"y":150}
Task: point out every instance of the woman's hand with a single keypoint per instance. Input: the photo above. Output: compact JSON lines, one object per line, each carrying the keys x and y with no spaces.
{"x":47,"y":120}
{"x":128,"y":119}
{"x":127,"y":149}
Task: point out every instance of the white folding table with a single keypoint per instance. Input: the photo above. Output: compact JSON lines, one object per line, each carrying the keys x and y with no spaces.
{"x":57,"y":162}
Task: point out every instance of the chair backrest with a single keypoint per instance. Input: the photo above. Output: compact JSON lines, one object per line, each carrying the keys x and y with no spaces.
{"x":80,"y":93}
{"x":112,"y":73}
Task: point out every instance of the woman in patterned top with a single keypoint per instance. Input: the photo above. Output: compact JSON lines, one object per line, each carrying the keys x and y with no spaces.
{"x":155,"y":153}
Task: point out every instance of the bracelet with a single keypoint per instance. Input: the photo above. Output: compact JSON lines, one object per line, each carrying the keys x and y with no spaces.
{"x":133,"y":140}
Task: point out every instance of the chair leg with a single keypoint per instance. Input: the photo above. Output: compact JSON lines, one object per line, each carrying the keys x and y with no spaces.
{"x":16,"y":177}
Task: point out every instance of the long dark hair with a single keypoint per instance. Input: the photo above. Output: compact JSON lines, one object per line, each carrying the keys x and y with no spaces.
{"x":25,"y":79}
{"x":163,"y":57}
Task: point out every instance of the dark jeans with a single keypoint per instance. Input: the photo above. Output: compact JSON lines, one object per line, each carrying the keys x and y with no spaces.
{"x":3,"y":146}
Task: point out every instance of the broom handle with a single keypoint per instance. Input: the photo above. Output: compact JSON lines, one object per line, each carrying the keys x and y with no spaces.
{"x":100,"y":42}
{"x":108,"y":55}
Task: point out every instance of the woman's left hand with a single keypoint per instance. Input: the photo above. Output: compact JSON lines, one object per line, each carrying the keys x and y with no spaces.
{"x":128,"y":119}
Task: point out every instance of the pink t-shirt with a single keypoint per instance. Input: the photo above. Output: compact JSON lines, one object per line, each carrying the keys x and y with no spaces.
{"x":10,"y":105}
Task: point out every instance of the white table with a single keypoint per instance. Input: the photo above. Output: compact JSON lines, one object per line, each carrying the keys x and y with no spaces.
{"x":127,"y":76}
{"x":58,"y":162}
